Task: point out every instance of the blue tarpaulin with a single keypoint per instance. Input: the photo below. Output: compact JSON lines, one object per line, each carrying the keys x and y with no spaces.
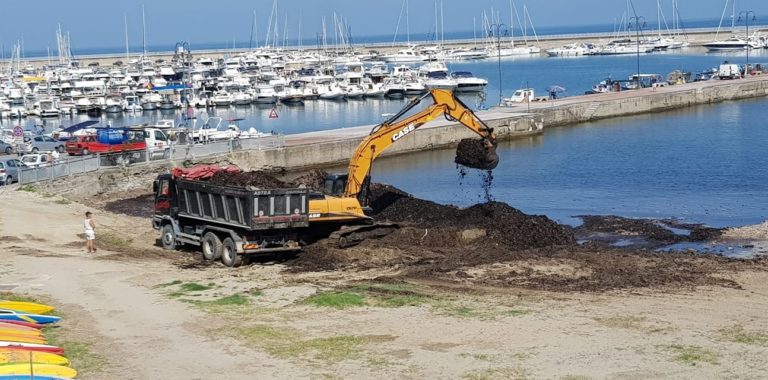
{"x":80,"y":126}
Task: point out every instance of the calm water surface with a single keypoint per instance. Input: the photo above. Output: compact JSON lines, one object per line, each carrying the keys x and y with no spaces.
{"x":706,"y":164}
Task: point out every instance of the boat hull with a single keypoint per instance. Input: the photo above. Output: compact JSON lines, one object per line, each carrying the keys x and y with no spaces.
{"x":26,"y":307}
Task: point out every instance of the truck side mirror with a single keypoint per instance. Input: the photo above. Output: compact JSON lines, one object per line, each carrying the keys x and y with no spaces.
{"x":154,"y":186}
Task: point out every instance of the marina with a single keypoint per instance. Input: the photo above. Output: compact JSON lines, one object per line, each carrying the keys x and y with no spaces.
{"x":398,"y":190}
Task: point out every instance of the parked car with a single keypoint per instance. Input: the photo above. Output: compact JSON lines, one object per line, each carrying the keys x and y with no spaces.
{"x":6,"y":148}
{"x":110,"y":141}
{"x":43,"y":144}
{"x":36,"y":160}
{"x":9,"y":170}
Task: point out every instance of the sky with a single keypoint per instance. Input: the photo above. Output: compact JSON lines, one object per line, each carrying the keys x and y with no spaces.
{"x":99,"y":23}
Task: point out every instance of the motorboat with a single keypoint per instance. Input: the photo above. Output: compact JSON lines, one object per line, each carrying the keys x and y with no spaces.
{"x":113,"y":104}
{"x":467,"y":82}
{"x":572,"y":50}
{"x":242,"y":99}
{"x":404,"y":56}
{"x":733,"y":43}
{"x":222,"y":98}
{"x":265,"y":94}
{"x":332,"y":92}
{"x":440,"y":80}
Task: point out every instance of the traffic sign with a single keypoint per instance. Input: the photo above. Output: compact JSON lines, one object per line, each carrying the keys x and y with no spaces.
{"x":18,"y":131}
{"x":273,"y":113}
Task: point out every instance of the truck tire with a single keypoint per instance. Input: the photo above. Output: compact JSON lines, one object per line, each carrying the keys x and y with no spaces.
{"x":168,"y":237}
{"x":229,"y":255}
{"x":211,"y":246}
{"x":85,"y":152}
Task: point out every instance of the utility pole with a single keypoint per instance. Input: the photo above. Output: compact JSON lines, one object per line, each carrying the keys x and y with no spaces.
{"x":639,"y":25}
{"x":746,"y":14}
{"x":498,"y":30}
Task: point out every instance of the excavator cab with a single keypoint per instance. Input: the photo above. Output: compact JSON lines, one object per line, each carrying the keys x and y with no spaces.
{"x":335,"y":184}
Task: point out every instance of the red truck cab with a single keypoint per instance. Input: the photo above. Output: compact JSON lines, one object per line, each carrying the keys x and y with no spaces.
{"x":88,"y":144}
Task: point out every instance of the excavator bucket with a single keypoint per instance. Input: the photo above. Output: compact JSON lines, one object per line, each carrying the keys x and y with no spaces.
{"x":477,"y":154}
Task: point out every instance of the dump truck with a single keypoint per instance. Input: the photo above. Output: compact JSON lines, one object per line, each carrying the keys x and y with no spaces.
{"x":227,"y":222}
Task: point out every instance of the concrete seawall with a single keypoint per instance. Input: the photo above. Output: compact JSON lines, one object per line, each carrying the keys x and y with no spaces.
{"x":328,"y":148}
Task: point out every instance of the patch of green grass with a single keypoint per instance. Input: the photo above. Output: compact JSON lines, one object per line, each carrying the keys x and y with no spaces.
{"x":188,"y":287}
{"x":468,"y":311}
{"x":401,"y":300}
{"x":255,"y":292}
{"x":8,"y":296}
{"x":498,"y":373}
{"x":287,"y":344}
{"x":80,"y":354}
{"x":336,"y":300}
{"x":738,"y":334}
{"x":692,"y":354}
{"x":62,"y":201}
{"x":28,"y":188}
{"x":389,"y":288}
{"x":235,"y":299}
{"x":167,"y":284}
{"x":113,"y":242}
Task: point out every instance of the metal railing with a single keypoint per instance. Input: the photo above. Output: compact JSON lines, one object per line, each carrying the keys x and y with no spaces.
{"x":69,"y":165}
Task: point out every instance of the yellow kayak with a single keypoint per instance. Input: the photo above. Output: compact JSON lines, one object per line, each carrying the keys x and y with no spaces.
{"x":40,"y":369}
{"x":21,"y":356}
{"x":20,"y":332}
{"x":23,"y":339}
{"x":17,"y":327}
{"x":26,"y":307}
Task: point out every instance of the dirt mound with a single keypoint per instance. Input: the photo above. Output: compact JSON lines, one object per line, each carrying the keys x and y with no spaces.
{"x":499,"y":222}
{"x":141,"y":206}
{"x":314,"y":179}
{"x":657,"y":232}
{"x":257,"y":179}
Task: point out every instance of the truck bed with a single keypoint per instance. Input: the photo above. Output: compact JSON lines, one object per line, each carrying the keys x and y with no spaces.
{"x":251,"y":209}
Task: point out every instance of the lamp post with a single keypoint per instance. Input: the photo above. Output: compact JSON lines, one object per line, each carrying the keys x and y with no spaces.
{"x":639,"y":24}
{"x":498,"y":30}
{"x":746,"y":14}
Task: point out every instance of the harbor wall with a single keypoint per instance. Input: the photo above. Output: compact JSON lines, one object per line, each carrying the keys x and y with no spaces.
{"x":650,"y":101}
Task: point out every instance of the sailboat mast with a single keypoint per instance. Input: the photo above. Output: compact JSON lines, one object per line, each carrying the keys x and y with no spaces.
{"x":143,"y":33}
{"x":127,"y":52}
{"x":407,"y":22}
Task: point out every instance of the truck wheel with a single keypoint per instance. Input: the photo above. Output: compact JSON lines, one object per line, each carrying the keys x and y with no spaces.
{"x":168,"y":237}
{"x":211,"y":246}
{"x":229,"y":255}
{"x":85,"y":152}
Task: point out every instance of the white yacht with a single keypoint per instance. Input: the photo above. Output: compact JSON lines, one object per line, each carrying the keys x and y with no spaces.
{"x":265,"y":94}
{"x":404,"y":56}
{"x":572,"y":50}
{"x":733,"y":43}
{"x":467,"y":82}
{"x":222,"y":98}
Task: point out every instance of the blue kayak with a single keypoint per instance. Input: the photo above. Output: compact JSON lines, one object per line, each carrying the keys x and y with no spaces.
{"x":12,"y":315}
{"x":29,"y":377}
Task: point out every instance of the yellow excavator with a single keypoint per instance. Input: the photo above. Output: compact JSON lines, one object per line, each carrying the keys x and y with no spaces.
{"x":343,"y":204}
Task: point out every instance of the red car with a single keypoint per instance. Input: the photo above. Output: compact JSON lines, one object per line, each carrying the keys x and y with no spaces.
{"x":89,"y":144}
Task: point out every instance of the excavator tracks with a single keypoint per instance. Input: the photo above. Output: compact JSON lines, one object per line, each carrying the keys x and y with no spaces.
{"x":350,"y":236}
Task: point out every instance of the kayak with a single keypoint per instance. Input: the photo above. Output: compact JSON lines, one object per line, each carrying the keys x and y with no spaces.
{"x":11,"y":315}
{"x":23,"y":356}
{"x":23,"y":339}
{"x":23,"y":323}
{"x":37,"y":369}
{"x":21,"y":332}
{"x":30,"y":347}
{"x":25,"y":307}
{"x":13,"y":327}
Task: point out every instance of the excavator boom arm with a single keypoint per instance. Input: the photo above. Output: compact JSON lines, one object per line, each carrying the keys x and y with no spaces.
{"x":392,"y":130}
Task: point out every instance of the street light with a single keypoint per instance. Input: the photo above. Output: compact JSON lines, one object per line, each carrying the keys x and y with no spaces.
{"x":749,"y":47}
{"x":639,"y":24}
{"x":498,"y":30}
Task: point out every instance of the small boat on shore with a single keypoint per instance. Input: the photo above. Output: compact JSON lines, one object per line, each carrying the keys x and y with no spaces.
{"x":26,"y":307}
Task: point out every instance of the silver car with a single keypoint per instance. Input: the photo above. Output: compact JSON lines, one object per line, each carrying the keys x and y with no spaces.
{"x":43,"y":144}
{"x":6,"y":148}
{"x":9,"y":170}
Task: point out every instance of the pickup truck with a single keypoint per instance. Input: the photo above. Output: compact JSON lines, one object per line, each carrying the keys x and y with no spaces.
{"x":119,"y":140}
{"x":227,"y":222}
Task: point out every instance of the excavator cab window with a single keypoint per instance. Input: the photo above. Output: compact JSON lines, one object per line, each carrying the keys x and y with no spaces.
{"x":335,"y":184}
